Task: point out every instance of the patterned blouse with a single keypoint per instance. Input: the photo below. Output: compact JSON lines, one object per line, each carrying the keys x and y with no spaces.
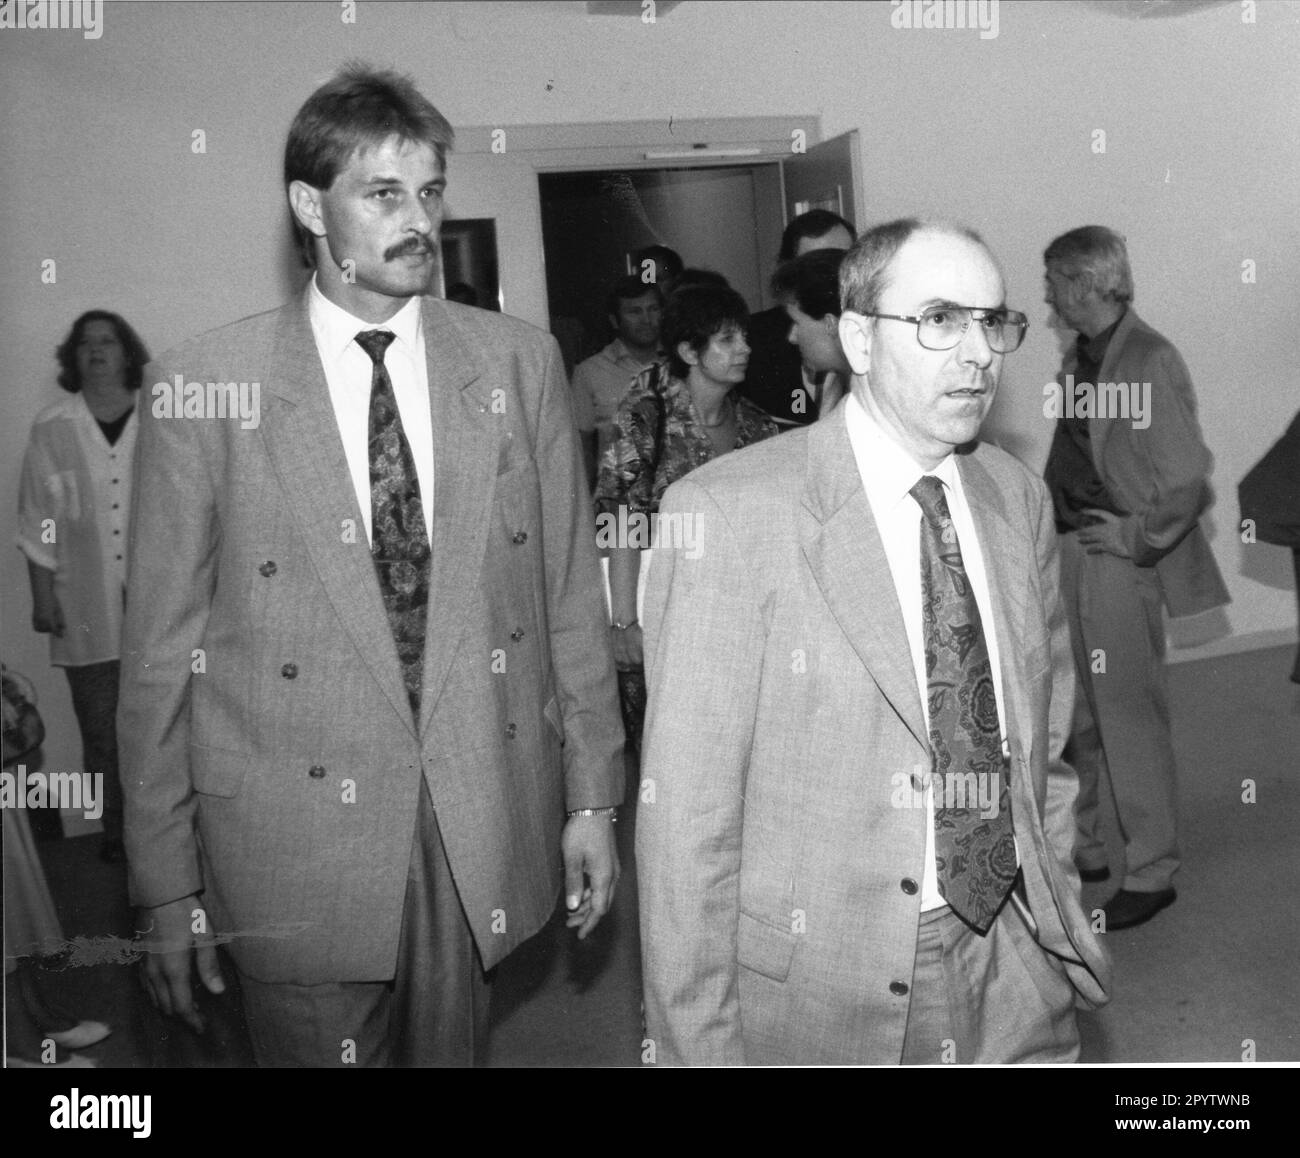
{"x":658,"y":438}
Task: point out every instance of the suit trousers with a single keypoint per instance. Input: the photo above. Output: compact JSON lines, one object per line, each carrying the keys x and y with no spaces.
{"x":1121,"y":726}
{"x":94,"y":700}
{"x":996,"y":999}
{"x":434,"y":1012}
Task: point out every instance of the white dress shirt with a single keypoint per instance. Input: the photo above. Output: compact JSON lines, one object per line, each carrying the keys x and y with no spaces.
{"x":888,"y":474}
{"x":347,"y":373}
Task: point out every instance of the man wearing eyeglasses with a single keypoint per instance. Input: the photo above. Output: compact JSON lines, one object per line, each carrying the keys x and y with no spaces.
{"x":849,"y":846}
{"x":1129,"y":484}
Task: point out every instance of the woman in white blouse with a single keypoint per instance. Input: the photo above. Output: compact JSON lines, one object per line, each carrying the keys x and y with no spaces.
{"x":74,"y":505}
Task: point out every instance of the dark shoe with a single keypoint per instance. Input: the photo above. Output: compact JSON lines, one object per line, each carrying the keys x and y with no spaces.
{"x":1126,"y":909}
{"x":1094,"y":876}
{"x":112,"y":851}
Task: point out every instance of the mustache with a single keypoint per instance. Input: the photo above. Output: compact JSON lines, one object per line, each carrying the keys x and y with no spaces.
{"x":412,"y":245}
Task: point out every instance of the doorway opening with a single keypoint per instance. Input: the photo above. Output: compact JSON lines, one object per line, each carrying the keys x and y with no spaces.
{"x":725,"y":218}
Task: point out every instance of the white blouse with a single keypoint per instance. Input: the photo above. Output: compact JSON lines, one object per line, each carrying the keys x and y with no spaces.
{"x":74,"y":504}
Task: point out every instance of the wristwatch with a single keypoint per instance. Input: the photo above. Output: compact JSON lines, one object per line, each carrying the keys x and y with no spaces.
{"x":611,"y":812}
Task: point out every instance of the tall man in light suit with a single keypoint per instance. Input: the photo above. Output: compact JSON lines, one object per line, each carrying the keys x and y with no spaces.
{"x":849,"y":848}
{"x":366,"y":668}
{"x":1129,"y":476}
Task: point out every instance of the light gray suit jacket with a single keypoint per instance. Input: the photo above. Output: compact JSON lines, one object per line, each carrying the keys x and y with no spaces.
{"x":784,"y":713}
{"x":1158,"y":473}
{"x":269,"y":757}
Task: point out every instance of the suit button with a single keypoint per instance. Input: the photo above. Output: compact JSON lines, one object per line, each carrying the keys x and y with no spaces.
{"x":289,"y":671}
{"x":517,"y":634}
{"x":898,"y":988}
{"x":510,"y":731}
{"x":519,"y":538}
{"x":908,"y":886}
{"x":267,"y":569}
{"x":316,"y":772}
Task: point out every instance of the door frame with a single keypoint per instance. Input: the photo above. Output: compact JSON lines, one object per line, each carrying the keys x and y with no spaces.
{"x":657,"y":144}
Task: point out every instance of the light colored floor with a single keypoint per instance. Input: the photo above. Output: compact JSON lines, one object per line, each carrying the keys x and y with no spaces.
{"x":1218,"y":973}
{"x":1220,"y":968}
{"x":1200,"y":982}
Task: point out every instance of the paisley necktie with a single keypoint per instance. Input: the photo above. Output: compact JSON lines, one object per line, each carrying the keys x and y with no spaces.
{"x":398,"y":542}
{"x":975,"y":854}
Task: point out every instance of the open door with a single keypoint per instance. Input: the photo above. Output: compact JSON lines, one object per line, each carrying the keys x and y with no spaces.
{"x":827,"y":176}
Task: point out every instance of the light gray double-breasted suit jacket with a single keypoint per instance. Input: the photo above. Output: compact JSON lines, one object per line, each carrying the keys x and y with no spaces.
{"x":773,"y":855}
{"x":269,"y":756}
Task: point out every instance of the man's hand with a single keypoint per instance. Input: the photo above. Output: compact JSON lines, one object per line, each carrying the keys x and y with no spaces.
{"x":589,"y":848}
{"x":47,"y":617}
{"x":47,"y":614}
{"x":169,"y":930}
{"x":628,"y":655}
{"x":1106,"y":535}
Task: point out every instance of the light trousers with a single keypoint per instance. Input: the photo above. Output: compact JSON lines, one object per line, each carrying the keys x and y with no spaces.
{"x":1121,"y":730}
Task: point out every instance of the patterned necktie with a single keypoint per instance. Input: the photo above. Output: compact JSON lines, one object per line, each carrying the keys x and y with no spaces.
{"x":975,"y":855}
{"x":398,"y":543}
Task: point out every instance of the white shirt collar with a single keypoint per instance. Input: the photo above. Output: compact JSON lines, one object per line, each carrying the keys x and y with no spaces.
{"x":888,"y":471}
{"x":335,"y":328}
{"x":618,"y":352}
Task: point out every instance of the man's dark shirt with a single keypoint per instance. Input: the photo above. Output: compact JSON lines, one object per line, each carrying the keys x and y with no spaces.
{"x":1071,"y":477}
{"x":775,"y":376}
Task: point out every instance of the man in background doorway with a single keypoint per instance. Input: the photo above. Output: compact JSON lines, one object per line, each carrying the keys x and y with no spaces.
{"x":776,"y":381}
{"x":600,"y":382}
{"x":659,"y":265}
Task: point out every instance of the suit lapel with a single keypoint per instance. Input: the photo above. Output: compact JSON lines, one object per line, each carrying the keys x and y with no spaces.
{"x":847,"y":558}
{"x":302,"y":440}
{"x":1004,"y":550}
{"x":1099,"y":428}
{"x":466,"y":452}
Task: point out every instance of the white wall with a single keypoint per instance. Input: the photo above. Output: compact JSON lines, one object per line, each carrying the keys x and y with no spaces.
{"x":1200,"y":172}
{"x":505,"y":187}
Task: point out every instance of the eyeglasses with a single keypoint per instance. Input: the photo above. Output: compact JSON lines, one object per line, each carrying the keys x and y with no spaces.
{"x":943,"y":327}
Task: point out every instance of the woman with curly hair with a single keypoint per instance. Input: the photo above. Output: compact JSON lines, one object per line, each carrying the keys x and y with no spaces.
{"x":74,"y":504}
{"x":677,"y":415}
